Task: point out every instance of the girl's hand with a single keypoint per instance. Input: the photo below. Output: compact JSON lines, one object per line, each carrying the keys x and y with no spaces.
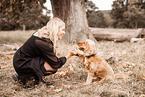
{"x":72,"y":53}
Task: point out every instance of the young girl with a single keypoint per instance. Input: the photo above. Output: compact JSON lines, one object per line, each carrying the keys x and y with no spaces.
{"x":36,"y":57}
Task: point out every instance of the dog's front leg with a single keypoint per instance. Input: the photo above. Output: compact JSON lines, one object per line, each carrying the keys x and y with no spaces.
{"x":72,"y":53}
{"x":89,"y":78}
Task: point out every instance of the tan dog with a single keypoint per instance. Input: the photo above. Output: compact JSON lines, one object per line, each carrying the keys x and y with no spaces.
{"x":95,"y":66}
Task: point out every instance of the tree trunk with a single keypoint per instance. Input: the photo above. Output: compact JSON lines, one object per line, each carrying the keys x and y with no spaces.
{"x":120,"y":37}
{"x":73,"y":13}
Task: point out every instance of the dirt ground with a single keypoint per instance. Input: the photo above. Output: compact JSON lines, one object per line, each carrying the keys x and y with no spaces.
{"x":127,"y":60}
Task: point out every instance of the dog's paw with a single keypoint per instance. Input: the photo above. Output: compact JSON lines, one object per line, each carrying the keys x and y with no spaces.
{"x":74,"y":52}
{"x":87,"y":83}
{"x":80,"y":52}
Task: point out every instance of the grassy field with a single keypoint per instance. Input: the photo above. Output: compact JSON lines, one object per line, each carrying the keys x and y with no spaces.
{"x":128,"y":63}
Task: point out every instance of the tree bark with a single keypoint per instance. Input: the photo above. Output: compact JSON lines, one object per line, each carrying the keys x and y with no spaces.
{"x":119,"y":37}
{"x":73,"y":13}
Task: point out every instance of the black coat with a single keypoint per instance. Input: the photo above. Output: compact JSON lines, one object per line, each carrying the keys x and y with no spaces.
{"x":30,"y":57}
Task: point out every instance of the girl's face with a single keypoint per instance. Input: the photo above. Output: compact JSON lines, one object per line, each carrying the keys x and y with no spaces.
{"x":61,"y":32}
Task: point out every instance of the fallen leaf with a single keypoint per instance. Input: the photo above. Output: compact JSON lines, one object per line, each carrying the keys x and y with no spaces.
{"x":63,"y":73}
{"x":58,"y":90}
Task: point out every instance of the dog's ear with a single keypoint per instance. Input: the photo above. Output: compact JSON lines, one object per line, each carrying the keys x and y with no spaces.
{"x":90,"y":49}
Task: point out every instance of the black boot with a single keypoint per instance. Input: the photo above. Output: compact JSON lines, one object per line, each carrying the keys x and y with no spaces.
{"x":26,"y":81}
{"x":47,"y":83}
{"x":19,"y":79}
{"x":36,"y":80}
{"x":15,"y":78}
{"x":47,"y":74}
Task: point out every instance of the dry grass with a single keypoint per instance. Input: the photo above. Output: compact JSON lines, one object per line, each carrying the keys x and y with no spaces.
{"x":128,"y":62}
{"x":14,"y":37}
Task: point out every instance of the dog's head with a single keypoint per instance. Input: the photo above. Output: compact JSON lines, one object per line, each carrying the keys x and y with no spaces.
{"x":88,"y":47}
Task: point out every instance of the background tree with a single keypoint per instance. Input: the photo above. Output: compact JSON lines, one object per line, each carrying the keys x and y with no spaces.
{"x":14,"y":14}
{"x":32,"y":17}
{"x":128,"y":13}
{"x":118,"y":9}
{"x":95,"y":17}
{"x":73,"y":12}
{"x":135,"y":16}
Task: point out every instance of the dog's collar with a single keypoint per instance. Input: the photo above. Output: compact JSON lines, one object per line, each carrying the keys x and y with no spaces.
{"x":90,"y":56}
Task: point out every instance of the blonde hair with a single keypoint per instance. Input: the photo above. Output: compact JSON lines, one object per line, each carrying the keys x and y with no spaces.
{"x":51,"y":29}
